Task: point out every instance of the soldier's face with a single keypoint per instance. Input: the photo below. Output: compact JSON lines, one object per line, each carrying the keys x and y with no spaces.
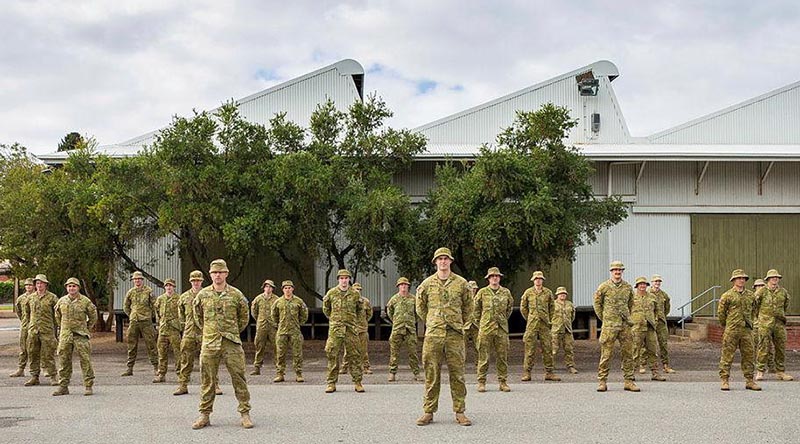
{"x":443,"y":263}
{"x":739,"y":282}
{"x":218,"y":277}
{"x":656,"y":285}
{"x":197,"y":284}
{"x":616,"y":273}
{"x":538,"y":282}
{"x":138,"y":282}
{"x":641,"y":287}
{"x":72,"y":289}
{"x":288,"y":291}
{"x":773,"y":282}
{"x":494,"y":280}
{"x":344,"y":282}
{"x":28,"y":288}
{"x":403,"y":288}
{"x":268,"y":289}
{"x":562,"y":297}
{"x":169,"y":288}
{"x":41,"y":287}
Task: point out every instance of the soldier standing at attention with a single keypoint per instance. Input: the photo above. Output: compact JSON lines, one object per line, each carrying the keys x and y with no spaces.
{"x":444,"y":301}
{"x":643,"y":315}
{"x":342,"y":306}
{"x":471,"y":330}
{"x":756,"y":340}
{"x":289,"y":313}
{"x":139,"y":305}
{"x":42,"y":331}
{"x":772,"y":302}
{"x":169,"y":330}
{"x":663,"y":308}
{"x":537,"y":307}
{"x":736,"y":311}
{"x":493,"y":306}
{"x":362,"y":326}
{"x":261,"y":310}
{"x":401,"y":310}
{"x":613,"y":301}
{"x":24,"y":315}
{"x":76,"y":315}
{"x":192,"y":335}
{"x":563,"y":317}
{"x":222,"y":313}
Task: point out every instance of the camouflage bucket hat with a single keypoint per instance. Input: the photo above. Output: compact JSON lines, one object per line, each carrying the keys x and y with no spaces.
{"x":641,"y":280}
{"x":759,"y":283}
{"x":170,"y":282}
{"x":616,"y":265}
{"x":656,"y":278}
{"x":137,"y":275}
{"x":494,"y":271}
{"x":538,"y":275}
{"x":270,"y":283}
{"x":443,"y":251}
{"x":561,"y":290}
{"x":402,"y":280}
{"x":739,"y":273}
{"x":73,"y":281}
{"x":472,"y":285}
{"x":196,"y":275}
{"x":773,"y":273}
{"x":218,"y":265}
{"x":287,"y":284}
{"x":343,"y":272}
{"x":41,"y":277}
{"x":28,"y":281}
{"x":357,"y":286}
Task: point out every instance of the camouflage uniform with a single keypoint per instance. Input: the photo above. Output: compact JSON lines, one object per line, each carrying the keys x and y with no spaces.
{"x":261,"y":310}
{"x":192,"y":336}
{"x":736,"y":312}
{"x":771,"y":307}
{"x":76,"y":316}
{"x":24,"y":314}
{"x":139,"y":305}
{"x":492,"y":308}
{"x":289,"y":315}
{"x":561,"y":330}
{"x":612,"y":305}
{"x":344,"y":311}
{"x":471,"y":329}
{"x":645,"y":340}
{"x":362,"y":327}
{"x":537,"y":308}
{"x":42,"y":333}
{"x":402,"y":312}
{"x":662,"y":332}
{"x":169,"y":332}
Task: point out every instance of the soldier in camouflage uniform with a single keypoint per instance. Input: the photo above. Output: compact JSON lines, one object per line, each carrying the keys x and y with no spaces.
{"x":492,"y":307}
{"x":169,"y":330}
{"x":471,"y":330}
{"x":343,"y":308}
{"x":613,"y":301}
{"x":736,"y":312}
{"x":42,"y":332}
{"x":536,"y":306}
{"x":23,"y":312}
{"x":221,"y":311}
{"x":401,"y":310}
{"x":363,"y":335}
{"x":139,"y":305}
{"x":192,"y":335}
{"x":772,"y":302}
{"x":561,"y":330}
{"x":645,"y":339}
{"x":76,"y":315}
{"x":261,"y":310}
{"x":663,"y":308}
{"x":759,"y":283}
{"x":289,"y":313}
{"x":444,"y":302}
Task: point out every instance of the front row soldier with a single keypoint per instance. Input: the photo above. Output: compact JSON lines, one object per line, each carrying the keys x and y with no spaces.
{"x":288,"y":314}
{"x":169,"y":330}
{"x":192,"y":335}
{"x":261,"y":310}
{"x":444,"y":301}
{"x":663,"y":308}
{"x":736,"y":312}
{"x":24,"y":315}
{"x":613,"y":301}
{"x":42,"y":332}
{"x":645,"y":339}
{"x":362,"y":326}
{"x":76,"y":315}
{"x":471,"y":329}
{"x":222,"y":313}
{"x":772,"y":302}
{"x":492,"y":307}
{"x":536,"y":306}
{"x":563,"y":317}
{"x":342,"y":306}
{"x":401,"y":310}
{"x":759,"y":283}
{"x":139,"y":305}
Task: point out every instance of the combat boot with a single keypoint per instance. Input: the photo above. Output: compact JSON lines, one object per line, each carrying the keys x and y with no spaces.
{"x":20,"y":372}
{"x":725,"y":385}
{"x":425,"y":419}
{"x":359,"y":388}
{"x":504,"y":387}
{"x":550,"y":376}
{"x":330,"y":388}
{"x":462,"y":419}
{"x":53,"y":381}
{"x":759,"y":376}
{"x":573,"y":370}
{"x":278,"y":378}
{"x":602,"y":386}
{"x":631,"y":386}
{"x":128,"y":372}
{"x":201,"y":421}
{"x":62,"y":390}
{"x":784,"y":377}
{"x":392,"y":377}
{"x":299,"y":378}
{"x":481,"y":386}
{"x":33,"y":381}
{"x":87,"y":391}
{"x":159,"y":378}
{"x":642,"y":370}
{"x":668,"y":369}
{"x":751,"y":385}
{"x":526,"y":376}
{"x":246,"y":421}
{"x":218,"y":390}
{"x":256,"y":371}
{"x":657,"y":377}
{"x":181,"y":390}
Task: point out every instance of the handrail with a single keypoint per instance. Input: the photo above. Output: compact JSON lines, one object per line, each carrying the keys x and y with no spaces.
{"x":713,"y":302}
{"x":712,"y":288}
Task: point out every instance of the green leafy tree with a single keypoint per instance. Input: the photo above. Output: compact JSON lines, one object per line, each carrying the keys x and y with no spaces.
{"x":71,"y":141}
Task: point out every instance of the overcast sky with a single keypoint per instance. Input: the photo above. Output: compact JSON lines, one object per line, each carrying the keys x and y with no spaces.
{"x":114,"y":70}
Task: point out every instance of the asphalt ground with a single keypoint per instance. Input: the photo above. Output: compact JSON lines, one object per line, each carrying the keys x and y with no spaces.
{"x":687,"y":408}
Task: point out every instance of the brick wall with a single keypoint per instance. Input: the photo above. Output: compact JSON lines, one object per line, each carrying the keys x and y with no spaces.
{"x":792,"y":335}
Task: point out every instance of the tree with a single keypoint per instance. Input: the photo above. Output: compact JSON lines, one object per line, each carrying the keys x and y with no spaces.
{"x":527,"y":201}
{"x":71,"y":141}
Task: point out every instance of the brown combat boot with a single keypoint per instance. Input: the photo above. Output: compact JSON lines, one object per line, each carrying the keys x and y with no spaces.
{"x":550,"y":376}
{"x":642,"y":370}
{"x":573,"y":370}
{"x":526,"y":376}
{"x":657,"y":377}
{"x":330,"y":388}
{"x":299,"y":378}
{"x":246,"y":421}
{"x":20,"y":372}
{"x":602,"y":386}
{"x":181,"y":390}
{"x":462,"y":419}
{"x":128,"y":372}
{"x":668,"y":369}
{"x":359,"y":388}
{"x":481,"y":386}
{"x":62,"y":390}
{"x":504,"y":387}
{"x":88,"y":391}
{"x":256,"y":371}
{"x":751,"y":385}
{"x":631,"y":387}
{"x":218,"y":390}
{"x":759,"y":376}
{"x":784,"y":377}
{"x":278,"y":378}
{"x":392,"y":377}
{"x":725,"y":385}
{"x":33,"y":381}
{"x":202,"y":421}
{"x":425,"y":419}
{"x":159,"y":379}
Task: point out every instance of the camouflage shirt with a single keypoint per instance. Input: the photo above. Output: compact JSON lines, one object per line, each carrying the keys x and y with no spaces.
{"x":363,"y":322}
{"x":186,"y":315}
{"x":261,"y":310}
{"x":537,"y":307}
{"x":42,"y":312}
{"x":737,"y":309}
{"x":663,"y":306}
{"x":771,"y":305}
{"x":220,"y":315}
{"x":563,"y":316}
{"x":402,"y":312}
{"x":23,"y":311}
{"x":167,"y":308}
{"x":613,"y":303}
{"x":139,"y":304}
{"x":444,"y":304}
{"x":343,"y":310}
{"x":492,"y":309}
{"x":76,"y":316}
{"x":643,"y":312}
{"x":289,"y":315}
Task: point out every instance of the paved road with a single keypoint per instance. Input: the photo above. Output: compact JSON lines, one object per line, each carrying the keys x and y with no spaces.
{"x":688,"y":412}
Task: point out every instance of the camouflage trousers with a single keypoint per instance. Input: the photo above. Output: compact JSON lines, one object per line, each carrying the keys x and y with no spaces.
{"x":232,"y":355}
{"x":540,"y":334}
{"x":41,"y":353}
{"x":645,"y":347}
{"x":283,"y":343}
{"x":493,"y":343}
{"x":170,"y":339}
{"x":337,"y":341}
{"x":363,"y":345}
{"x":80,"y":344}
{"x":608,"y":337}
{"x":190,"y":346}
{"x":399,"y":339}
{"x":770,"y":350}
{"x":662,"y":332}
{"x":264,"y":342}
{"x":564,"y":340}
{"x":772,"y":336}
{"x":471,"y":341}
{"x":733,"y":338}
{"x":23,"y":348}
{"x":450,"y":349}
{"x":147,"y":332}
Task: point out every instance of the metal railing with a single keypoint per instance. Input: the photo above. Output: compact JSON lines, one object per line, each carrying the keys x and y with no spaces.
{"x":712,"y":302}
